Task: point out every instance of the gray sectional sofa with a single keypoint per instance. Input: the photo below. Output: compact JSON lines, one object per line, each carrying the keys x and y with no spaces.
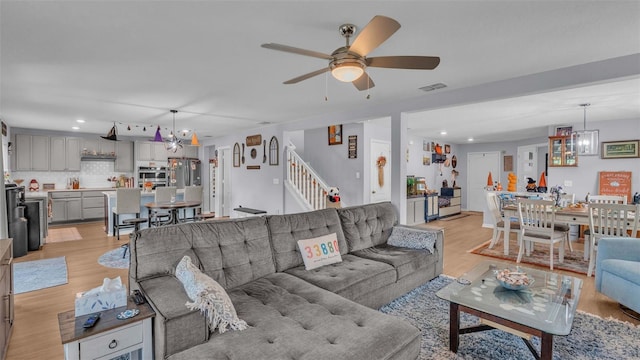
{"x":292,"y":313}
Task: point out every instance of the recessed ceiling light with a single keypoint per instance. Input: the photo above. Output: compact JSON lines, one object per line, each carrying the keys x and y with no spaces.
{"x":80,"y":121}
{"x":470,"y":139}
{"x":75,"y":127}
{"x":443,"y":132}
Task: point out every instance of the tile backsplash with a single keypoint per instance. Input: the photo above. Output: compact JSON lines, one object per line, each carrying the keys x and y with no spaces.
{"x":92,"y":174}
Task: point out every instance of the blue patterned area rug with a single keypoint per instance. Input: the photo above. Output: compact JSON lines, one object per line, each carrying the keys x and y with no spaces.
{"x":113,"y":259}
{"x":39,"y":274}
{"x":591,"y":336}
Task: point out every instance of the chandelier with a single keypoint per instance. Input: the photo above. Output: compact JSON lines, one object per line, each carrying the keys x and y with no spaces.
{"x":586,"y":141}
{"x":172,"y":143}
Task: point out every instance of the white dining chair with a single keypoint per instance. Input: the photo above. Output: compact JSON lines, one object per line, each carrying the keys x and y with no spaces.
{"x":537,"y":225}
{"x":163,"y":194}
{"x":610,"y":220}
{"x":608,"y":199}
{"x":493,"y":204}
{"x":193,"y":193}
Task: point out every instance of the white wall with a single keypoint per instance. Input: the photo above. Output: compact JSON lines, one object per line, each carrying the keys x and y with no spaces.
{"x":585,"y":175}
{"x":332,"y":163}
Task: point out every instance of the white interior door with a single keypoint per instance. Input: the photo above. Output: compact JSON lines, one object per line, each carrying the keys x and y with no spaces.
{"x":380,"y":164}
{"x":527,"y":165}
{"x":224,"y":182}
{"x":478,"y":167}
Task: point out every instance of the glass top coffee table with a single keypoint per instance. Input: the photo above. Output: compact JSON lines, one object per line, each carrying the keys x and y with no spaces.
{"x":546,"y":308}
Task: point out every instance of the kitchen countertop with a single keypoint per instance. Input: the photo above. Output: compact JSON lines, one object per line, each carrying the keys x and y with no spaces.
{"x":45,"y":193}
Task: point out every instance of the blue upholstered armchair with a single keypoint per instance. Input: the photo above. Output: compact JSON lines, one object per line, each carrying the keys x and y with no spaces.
{"x":618,"y":270}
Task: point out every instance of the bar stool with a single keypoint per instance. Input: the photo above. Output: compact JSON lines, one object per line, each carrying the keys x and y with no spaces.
{"x":135,"y":222}
{"x":127,"y":202}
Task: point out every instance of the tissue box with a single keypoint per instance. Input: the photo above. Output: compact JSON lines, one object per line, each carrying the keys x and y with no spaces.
{"x":87,"y":304}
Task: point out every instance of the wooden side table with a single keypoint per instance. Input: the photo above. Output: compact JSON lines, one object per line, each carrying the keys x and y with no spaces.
{"x":110,"y":337}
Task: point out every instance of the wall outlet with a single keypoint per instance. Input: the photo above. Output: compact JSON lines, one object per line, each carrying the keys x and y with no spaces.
{"x":568,"y":183}
{"x":276,"y":181}
{"x":357,"y":174}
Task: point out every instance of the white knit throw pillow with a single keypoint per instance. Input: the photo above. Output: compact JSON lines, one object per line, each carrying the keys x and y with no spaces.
{"x":208,"y":296}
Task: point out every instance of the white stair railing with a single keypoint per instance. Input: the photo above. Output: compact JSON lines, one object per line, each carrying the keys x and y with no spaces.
{"x":305,"y":182}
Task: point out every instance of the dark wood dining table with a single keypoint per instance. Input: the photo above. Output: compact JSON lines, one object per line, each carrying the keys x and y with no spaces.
{"x":173,"y":208}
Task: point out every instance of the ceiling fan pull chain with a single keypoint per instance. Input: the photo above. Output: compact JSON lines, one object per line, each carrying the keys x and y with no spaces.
{"x":326,"y":87}
{"x":368,"y":84}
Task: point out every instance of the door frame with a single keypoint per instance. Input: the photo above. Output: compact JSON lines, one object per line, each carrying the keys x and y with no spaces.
{"x":223,"y":181}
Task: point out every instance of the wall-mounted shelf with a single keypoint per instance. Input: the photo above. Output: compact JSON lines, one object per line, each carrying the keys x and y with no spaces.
{"x":98,"y":158}
{"x":438,"y":158}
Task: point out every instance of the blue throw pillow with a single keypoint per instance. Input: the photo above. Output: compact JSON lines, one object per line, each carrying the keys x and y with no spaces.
{"x":412,"y":238}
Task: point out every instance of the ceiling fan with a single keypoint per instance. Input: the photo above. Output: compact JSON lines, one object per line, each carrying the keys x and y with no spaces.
{"x":348,"y":63}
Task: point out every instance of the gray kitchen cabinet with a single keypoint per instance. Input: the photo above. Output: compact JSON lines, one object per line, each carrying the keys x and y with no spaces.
{"x":91,"y":146}
{"x":124,"y":156}
{"x":65,"y":154}
{"x":92,"y":205}
{"x":152,"y":151}
{"x":31,"y":153}
{"x":191,"y":151}
{"x":66,"y":205}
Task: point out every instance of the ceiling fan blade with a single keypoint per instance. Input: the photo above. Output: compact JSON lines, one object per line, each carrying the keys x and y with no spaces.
{"x":404,"y":62}
{"x":377,"y":31}
{"x":295,"y":50}
{"x":306,"y":76}
{"x":361,"y":82}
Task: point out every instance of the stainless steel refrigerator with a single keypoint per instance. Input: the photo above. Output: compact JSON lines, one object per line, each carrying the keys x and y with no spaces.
{"x":184,"y":172}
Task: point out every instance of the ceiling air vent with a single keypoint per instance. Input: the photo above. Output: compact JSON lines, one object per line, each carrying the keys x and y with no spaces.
{"x":433,"y":87}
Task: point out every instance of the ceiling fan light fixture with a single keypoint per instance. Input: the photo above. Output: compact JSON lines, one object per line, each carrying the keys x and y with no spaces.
{"x":348,"y":71}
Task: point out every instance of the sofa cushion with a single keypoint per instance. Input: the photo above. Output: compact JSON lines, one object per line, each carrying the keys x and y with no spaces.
{"x":405,"y":261}
{"x":291,"y":319}
{"x":175,"y":326}
{"x":629,"y":270}
{"x":350,"y":278}
{"x":232,"y":252}
{"x":411,"y":238}
{"x":367,"y":225}
{"x":319,"y":251}
{"x":208,"y":297}
{"x":286,"y":230}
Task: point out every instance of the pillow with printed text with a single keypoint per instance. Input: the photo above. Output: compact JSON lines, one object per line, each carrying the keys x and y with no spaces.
{"x":320,"y":251}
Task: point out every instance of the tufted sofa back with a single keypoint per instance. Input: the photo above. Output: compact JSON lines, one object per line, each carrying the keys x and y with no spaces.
{"x":367,"y":225}
{"x":232,"y":252}
{"x":286,"y":230}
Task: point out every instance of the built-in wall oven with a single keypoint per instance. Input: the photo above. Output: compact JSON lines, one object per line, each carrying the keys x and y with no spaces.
{"x":157,"y":176}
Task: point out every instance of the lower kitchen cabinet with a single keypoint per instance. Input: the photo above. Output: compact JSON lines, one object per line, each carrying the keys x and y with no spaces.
{"x":92,"y":205}
{"x":6,"y":291}
{"x":66,"y":206}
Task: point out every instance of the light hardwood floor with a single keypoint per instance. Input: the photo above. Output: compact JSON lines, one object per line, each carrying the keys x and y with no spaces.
{"x":36,"y":334}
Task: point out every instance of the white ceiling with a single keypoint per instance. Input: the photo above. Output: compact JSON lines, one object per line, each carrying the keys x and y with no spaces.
{"x":129,"y":62}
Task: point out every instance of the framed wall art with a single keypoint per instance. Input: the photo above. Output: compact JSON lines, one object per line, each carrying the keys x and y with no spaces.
{"x":335,"y":134}
{"x":620,"y":149}
{"x":353,"y":146}
{"x":447,"y":149}
{"x":564,"y":130}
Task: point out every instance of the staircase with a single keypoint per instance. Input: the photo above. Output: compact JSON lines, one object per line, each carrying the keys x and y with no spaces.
{"x":308,"y":188}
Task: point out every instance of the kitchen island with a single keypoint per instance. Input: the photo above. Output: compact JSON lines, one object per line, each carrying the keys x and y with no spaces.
{"x":110,"y":201}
